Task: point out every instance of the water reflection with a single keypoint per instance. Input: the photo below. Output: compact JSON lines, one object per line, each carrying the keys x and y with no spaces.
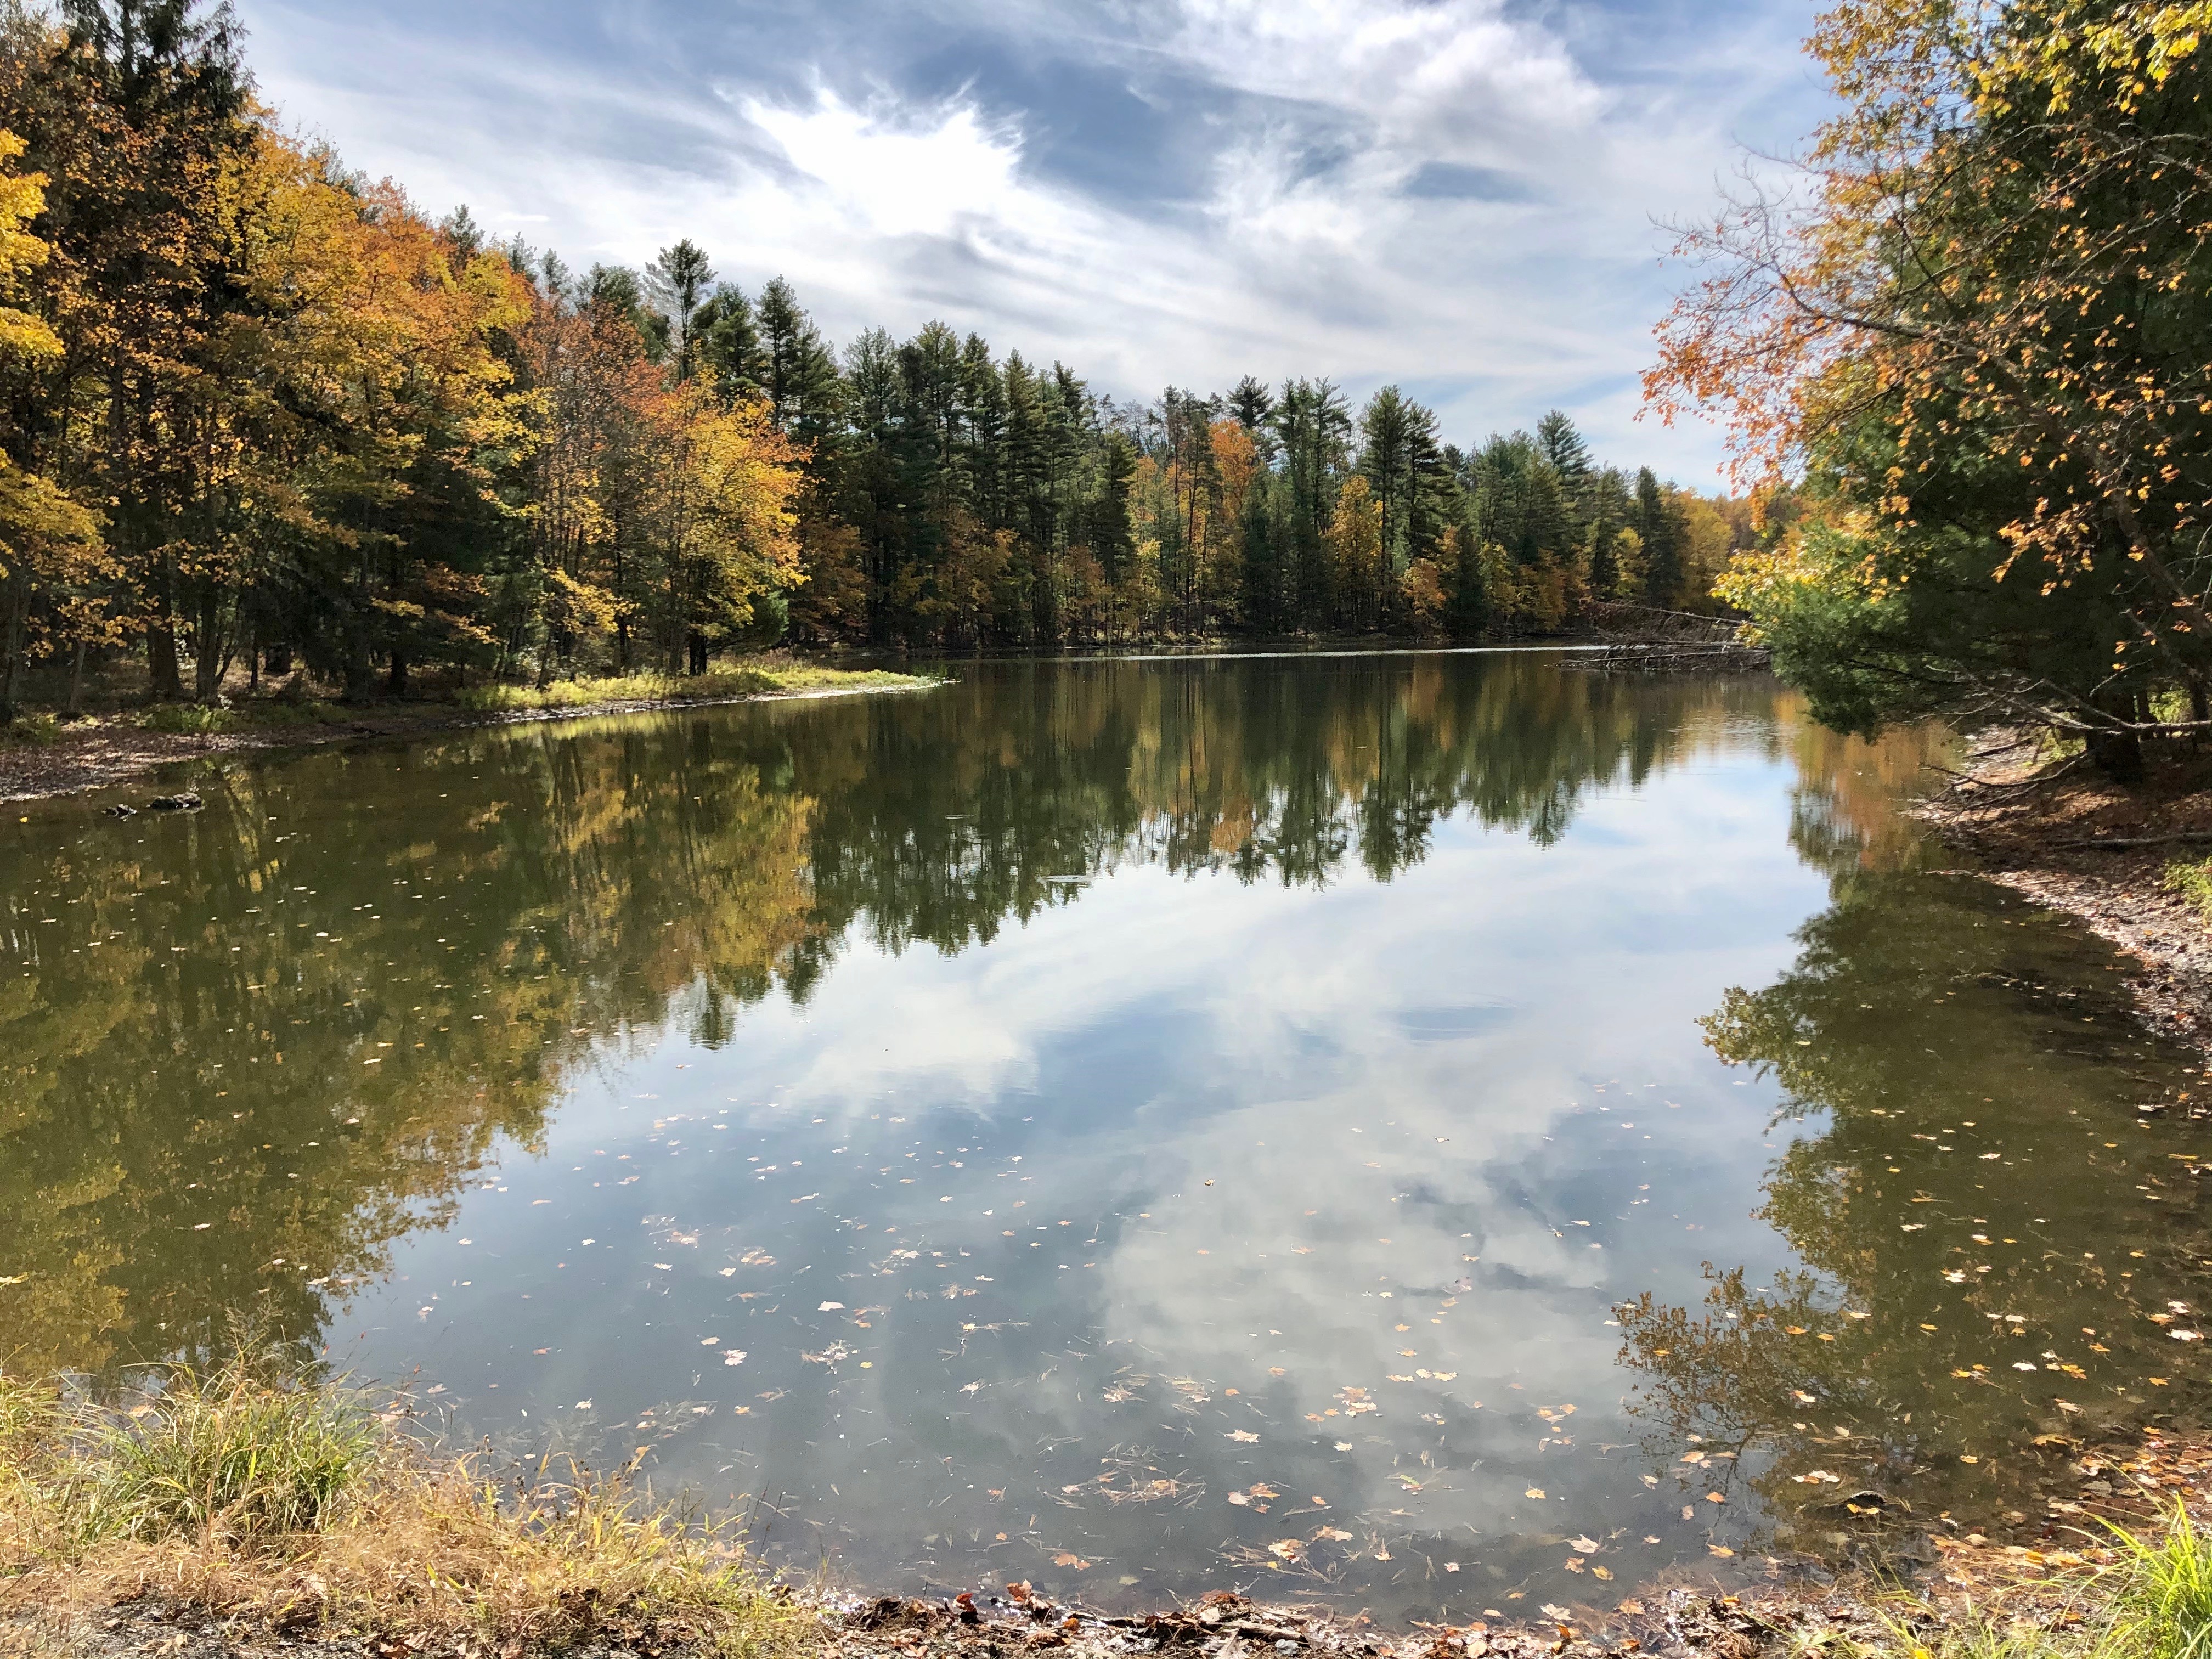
{"x":1106,"y":1122}
{"x":2000,"y":1260}
{"x":288,"y":1029}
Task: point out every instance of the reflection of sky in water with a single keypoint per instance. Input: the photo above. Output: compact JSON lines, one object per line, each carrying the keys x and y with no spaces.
{"x":1188,"y":1229}
{"x":1265,"y":1148}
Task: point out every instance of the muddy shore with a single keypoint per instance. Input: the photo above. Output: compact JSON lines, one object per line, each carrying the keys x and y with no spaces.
{"x":100,"y":754}
{"x":2079,"y":843}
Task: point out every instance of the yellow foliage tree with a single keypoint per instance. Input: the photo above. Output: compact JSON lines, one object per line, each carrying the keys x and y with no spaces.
{"x":50,"y":549}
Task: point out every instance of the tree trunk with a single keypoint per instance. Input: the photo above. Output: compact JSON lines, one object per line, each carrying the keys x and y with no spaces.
{"x":11,"y":651}
{"x":695,"y":644}
{"x":209,"y":656}
{"x":163,"y":671}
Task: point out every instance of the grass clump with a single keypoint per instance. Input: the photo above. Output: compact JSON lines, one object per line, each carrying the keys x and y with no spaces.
{"x":33,"y":731}
{"x":255,"y":1492}
{"x":2150,"y":1598}
{"x":2192,"y":879}
{"x":2161,"y":1603}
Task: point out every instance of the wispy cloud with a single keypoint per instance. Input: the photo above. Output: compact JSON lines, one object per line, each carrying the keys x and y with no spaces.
{"x":1455,"y":194}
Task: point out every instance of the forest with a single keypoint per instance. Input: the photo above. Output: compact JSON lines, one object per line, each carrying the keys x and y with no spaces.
{"x":265,"y":414}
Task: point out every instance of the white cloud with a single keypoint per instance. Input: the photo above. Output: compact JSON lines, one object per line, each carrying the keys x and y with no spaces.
{"x":1303,"y":121}
{"x":889,"y":176}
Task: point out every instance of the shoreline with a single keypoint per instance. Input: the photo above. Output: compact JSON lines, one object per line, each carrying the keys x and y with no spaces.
{"x":450,"y":1561}
{"x":2098,"y":851}
{"x":110,"y":752}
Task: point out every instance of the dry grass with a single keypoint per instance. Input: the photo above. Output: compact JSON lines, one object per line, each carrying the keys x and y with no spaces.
{"x":251,"y":1493}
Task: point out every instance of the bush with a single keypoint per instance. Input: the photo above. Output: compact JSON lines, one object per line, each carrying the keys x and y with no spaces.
{"x":36,"y":730}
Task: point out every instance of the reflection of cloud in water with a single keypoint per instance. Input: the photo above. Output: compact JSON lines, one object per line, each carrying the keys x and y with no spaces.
{"x":799,"y":1010}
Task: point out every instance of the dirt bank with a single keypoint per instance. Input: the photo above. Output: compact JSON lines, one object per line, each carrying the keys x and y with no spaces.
{"x":102,"y":752}
{"x":2071,"y":839}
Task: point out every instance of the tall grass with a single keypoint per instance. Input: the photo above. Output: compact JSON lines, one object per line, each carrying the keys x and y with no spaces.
{"x":249,"y":1455}
{"x":2162,"y":1600}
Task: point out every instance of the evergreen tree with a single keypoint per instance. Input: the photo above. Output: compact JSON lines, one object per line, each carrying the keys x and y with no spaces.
{"x":1658,"y":523}
{"x":728,"y":340}
{"x":676,"y":285}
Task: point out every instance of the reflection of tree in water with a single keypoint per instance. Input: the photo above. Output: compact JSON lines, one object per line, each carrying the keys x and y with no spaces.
{"x":1986,"y":1268}
{"x":209,"y":1106}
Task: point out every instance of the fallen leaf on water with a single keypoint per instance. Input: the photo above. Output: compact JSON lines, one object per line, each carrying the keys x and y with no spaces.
{"x":1714,"y":1498}
{"x":1064,"y":1559}
{"x":1335,"y":1533}
{"x":1244,"y":1436}
{"x":1720,"y":1549}
{"x":1533,"y":1492}
{"x":1587,"y":1546}
{"x":1601,"y":1573}
{"x":1287,"y":1549}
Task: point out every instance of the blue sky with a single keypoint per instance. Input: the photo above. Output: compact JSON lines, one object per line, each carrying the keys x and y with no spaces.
{"x":1455,"y":195}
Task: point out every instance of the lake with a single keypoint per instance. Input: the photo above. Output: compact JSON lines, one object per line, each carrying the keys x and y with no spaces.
{"x":1430,"y":1132}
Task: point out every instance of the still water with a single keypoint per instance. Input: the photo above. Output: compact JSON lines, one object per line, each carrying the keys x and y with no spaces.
{"x":1441,"y":1132}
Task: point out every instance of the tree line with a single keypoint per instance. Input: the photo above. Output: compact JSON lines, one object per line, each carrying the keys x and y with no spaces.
{"x":262,"y":412}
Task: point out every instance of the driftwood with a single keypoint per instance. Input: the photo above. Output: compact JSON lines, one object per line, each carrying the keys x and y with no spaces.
{"x":2121,"y":842}
{"x":1646,"y":640}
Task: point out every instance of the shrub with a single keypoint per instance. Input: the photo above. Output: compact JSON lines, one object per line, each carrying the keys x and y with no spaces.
{"x":36,"y":730}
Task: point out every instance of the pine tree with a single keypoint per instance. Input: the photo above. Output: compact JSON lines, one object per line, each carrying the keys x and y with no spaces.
{"x":728,"y":340}
{"x":1658,"y":523}
{"x":1561,"y":445}
{"x":677,"y":284}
